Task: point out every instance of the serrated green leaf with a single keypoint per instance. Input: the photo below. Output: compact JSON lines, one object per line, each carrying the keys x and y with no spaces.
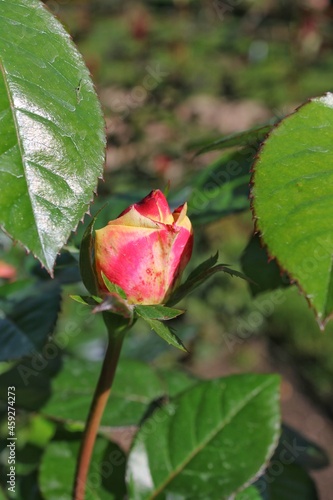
{"x":81,"y":299}
{"x":166,"y":334}
{"x":86,"y":300}
{"x":293,"y":200}
{"x":197,"y":446}
{"x":105,"y":480}
{"x":161,"y":313}
{"x":113,"y":288}
{"x":51,"y":130}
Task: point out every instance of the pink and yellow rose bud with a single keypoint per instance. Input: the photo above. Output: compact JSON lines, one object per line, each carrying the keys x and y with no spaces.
{"x":145,"y":250}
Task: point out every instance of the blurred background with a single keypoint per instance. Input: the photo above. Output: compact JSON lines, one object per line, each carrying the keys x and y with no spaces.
{"x":173,"y":75}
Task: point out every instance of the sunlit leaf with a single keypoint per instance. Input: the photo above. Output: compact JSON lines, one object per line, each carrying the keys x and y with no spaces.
{"x":51,"y":130}
{"x":197,"y":446}
{"x":293,"y":200}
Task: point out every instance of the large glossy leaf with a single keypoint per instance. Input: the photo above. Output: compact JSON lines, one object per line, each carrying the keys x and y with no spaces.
{"x":51,"y":130}
{"x":166,"y":333}
{"x":208,"y":442}
{"x":293,"y":200}
{"x":158,"y":312}
{"x":135,"y":386}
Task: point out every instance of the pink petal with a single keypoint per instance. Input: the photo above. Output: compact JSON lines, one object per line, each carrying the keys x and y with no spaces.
{"x":180,"y":218}
{"x":179,"y":256}
{"x":137,"y":260}
{"x":156,"y":207}
{"x":131,"y":217}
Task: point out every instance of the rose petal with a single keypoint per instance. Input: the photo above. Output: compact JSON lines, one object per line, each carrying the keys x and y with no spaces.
{"x":156,"y":207}
{"x":138,"y":261}
{"x":180,"y":218}
{"x":179,"y":256}
{"x":133,"y":218}
{"x":145,"y":249}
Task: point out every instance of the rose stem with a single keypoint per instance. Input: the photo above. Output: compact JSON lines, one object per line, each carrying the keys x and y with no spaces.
{"x":96,"y":411}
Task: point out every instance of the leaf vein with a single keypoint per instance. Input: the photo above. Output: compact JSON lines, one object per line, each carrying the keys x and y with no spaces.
{"x":236,"y":409}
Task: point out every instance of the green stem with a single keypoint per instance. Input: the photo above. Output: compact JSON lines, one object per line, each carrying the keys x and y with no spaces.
{"x":101,"y":395}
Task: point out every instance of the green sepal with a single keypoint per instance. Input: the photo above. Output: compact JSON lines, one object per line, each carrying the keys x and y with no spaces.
{"x":87,"y":269}
{"x":113,"y":288}
{"x":113,"y":303}
{"x":165,"y":333}
{"x":203,"y":272}
{"x":161,"y":313}
{"x":204,"y":266}
{"x":86,"y":300}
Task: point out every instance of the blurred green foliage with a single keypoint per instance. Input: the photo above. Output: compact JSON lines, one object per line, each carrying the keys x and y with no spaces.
{"x":153,"y":62}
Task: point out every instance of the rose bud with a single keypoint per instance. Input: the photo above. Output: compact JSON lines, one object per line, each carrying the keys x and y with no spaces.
{"x":145,"y":250}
